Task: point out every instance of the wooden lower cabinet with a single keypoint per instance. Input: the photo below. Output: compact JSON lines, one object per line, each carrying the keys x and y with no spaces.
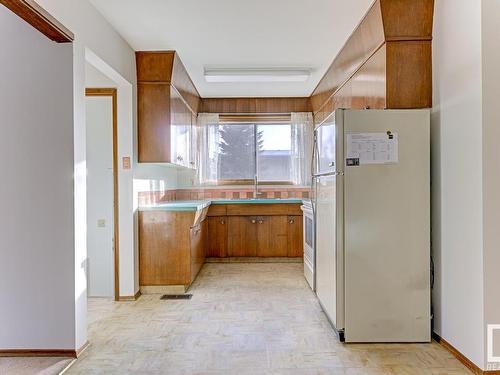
{"x":242,"y":236}
{"x":171,"y":250}
{"x":217,"y":234}
{"x":272,"y":236}
{"x":263,"y":236}
{"x":198,"y":244}
{"x":295,"y":236}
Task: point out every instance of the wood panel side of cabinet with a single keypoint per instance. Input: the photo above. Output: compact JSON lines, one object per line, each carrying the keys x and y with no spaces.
{"x":153,"y":113}
{"x":198,"y":241}
{"x":295,"y":236}
{"x":409,"y":74}
{"x":164,"y":243}
{"x":242,"y":236}
{"x":154,"y":66}
{"x":217,"y":236}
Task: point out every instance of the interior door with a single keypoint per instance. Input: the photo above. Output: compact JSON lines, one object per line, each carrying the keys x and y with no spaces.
{"x":100,"y":217}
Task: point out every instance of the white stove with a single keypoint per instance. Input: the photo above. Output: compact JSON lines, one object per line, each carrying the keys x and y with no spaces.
{"x":309,"y":248}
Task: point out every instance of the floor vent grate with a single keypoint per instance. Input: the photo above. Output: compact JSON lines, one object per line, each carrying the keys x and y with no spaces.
{"x":176,"y":296}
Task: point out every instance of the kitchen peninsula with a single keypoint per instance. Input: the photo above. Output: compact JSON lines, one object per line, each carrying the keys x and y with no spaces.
{"x":175,"y":238}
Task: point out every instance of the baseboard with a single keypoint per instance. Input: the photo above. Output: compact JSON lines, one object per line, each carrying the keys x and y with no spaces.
{"x":163,"y":289}
{"x":69,"y":353}
{"x":38,"y":353}
{"x":82,"y":349}
{"x":135,"y":297}
{"x":255,"y":260}
{"x":462,"y":358}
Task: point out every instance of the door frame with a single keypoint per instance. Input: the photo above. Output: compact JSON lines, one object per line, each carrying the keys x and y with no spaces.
{"x":112,"y":92}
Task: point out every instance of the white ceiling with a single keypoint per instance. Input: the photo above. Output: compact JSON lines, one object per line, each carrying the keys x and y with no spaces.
{"x":240,"y":33}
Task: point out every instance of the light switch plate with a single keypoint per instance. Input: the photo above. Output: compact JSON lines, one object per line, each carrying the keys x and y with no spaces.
{"x":101,"y":223}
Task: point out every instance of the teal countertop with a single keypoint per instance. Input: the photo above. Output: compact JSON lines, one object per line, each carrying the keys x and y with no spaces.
{"x":201,"y":204}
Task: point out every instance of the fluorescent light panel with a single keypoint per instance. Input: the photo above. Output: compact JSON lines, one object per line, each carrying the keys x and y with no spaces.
{"x":256,"y":75}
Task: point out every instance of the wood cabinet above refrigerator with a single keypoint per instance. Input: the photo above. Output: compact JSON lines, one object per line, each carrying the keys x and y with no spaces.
{"x":167,"y":105}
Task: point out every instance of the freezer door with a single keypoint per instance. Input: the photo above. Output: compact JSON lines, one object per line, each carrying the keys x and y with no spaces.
{"x":329,"y":265}
{"x":387,"y":233}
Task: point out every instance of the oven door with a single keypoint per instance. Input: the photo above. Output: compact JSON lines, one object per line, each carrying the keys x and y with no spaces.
{"x":309,"y":252}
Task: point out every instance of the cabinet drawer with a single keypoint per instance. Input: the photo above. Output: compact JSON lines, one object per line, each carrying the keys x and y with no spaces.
{"x":217,"y":210}
{"x":263,"y":209}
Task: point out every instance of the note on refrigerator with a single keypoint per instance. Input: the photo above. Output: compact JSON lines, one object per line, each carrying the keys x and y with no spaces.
{"x":371,"y":148}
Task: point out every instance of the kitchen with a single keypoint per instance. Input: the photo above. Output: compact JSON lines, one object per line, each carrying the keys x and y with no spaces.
{"x":249,"y":167}
{"x":252,"y":192}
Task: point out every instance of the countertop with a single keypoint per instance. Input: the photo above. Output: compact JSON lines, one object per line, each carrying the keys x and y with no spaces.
{"x":196,"y":205}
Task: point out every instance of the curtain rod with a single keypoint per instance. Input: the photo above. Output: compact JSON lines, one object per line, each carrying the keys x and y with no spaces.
{"x":255,"y":118}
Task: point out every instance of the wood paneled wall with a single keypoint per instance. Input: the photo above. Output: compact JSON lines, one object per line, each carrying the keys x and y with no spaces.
{"x":255,"y":105}
{"x":385,"y":63}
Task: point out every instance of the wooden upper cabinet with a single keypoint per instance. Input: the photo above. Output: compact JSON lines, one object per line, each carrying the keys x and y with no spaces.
{"x":180,"y":130}
{"x":167,"y":104}
{"x":385,"y":63}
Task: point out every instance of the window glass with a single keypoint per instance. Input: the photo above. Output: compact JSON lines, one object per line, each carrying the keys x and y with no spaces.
{"x":274,"y":153}
{"x":232,"y":157}
{"x":231,"y":152}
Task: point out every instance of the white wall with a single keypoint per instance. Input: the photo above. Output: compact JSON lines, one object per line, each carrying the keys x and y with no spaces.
{"x":457,"y":200}
{"x":491,"y":162}
{"x":95,"y":78}
{"x":37,"y":270}
{"x":100,"y":214}
{"x":97,"y":42}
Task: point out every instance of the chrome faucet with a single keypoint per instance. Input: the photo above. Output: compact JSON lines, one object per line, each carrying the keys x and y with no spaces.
{"x":256,"y":191}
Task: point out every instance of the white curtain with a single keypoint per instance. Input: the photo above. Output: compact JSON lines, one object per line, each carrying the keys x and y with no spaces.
{"x":200,"y":136}
{"x":302,"y":144}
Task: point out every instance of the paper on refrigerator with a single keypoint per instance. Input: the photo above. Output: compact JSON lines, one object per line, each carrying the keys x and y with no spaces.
{"x":371,"y":148}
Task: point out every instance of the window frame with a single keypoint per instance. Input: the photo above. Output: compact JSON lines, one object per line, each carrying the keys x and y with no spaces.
{"x":255,"y":121}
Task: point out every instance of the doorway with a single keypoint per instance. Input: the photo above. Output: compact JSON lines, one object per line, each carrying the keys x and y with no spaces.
{"x":102,"y":192}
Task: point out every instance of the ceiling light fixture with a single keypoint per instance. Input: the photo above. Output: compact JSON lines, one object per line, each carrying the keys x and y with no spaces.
{"x":237,"y":75}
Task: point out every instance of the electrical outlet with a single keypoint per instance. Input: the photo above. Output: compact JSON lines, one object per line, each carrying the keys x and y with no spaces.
{"x":101,"y":223}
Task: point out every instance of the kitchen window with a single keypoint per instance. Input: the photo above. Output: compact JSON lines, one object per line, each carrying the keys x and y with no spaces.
{"x":237,"y":152}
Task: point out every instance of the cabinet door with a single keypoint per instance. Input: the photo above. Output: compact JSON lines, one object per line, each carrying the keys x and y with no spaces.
{"x":217,"y":235}
{"x":295,"y":236}
{"x":196,"y":140}
{"x":153,"y":126}
{"x":272,"y":236}
{"x":180,"y":130}
{"x":242,"y":236}
{"x":198,"y":242}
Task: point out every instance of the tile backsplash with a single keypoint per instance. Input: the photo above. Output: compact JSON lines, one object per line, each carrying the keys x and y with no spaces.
{"x":232,"y":192}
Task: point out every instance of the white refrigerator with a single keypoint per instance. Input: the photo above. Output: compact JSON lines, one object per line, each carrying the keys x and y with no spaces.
{"x":371,"y":200}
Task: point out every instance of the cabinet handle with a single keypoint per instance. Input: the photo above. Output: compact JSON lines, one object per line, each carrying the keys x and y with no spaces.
{"x":253,"y":221}
{"x":291,"y":221}
{"x":222,"y":221}
{"x":261,"y":221}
